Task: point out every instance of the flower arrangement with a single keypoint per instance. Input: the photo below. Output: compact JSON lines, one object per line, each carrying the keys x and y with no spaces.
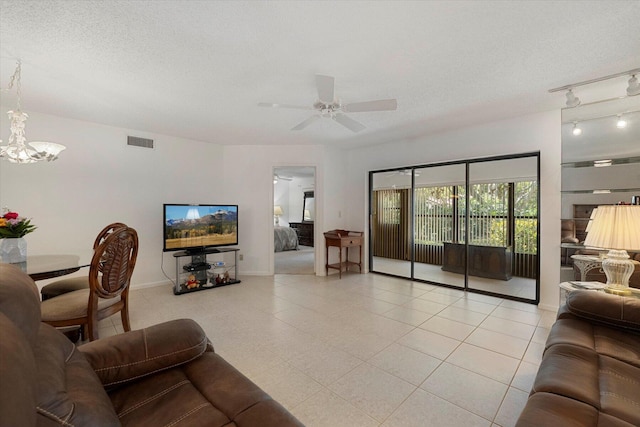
{"x":13,"y":225}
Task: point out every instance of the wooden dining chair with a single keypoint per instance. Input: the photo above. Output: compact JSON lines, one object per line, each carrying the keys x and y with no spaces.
{"x":109,"y":277}
{"x":63,"y":286}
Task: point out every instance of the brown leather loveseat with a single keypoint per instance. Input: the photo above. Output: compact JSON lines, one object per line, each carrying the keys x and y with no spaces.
{"x":590,"y":372}
{"x":164,"y":375}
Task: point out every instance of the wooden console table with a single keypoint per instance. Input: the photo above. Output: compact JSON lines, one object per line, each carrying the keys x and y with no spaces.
{"x":343,"y":239}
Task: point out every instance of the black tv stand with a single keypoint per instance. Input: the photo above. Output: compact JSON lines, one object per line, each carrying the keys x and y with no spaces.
{"x":203,"y":272}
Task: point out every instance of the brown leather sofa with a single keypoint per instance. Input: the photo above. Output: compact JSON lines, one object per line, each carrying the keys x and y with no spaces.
{"x":164,"y":375}
{"x":590,"y":372}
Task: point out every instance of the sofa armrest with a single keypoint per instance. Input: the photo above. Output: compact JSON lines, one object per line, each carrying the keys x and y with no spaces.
{"x":611,"y":310}
{"x":134,"y":354}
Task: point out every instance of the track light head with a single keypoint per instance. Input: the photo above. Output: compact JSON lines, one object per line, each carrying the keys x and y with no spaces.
{"x":572,"y":100}
{"x":634,"y":86}
{"x":576,"y":130}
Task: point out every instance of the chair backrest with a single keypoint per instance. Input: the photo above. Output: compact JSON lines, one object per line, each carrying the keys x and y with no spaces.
{"x":105,"y":232}
{"x":115,"y":258}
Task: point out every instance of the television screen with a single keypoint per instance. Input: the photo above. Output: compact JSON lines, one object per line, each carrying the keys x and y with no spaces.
{"x":195,"y":227}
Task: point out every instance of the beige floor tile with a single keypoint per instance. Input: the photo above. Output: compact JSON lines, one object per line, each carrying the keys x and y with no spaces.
{"x":464,"y":316}
{"x":327,"y":409}
{"x":393,"y":297}
{"x":484,"y":298}
{"x":425,"y":409}
{"x":429,"y":307}
{"x":534,"y":353}
{"x":441,"y":298}
{"x":430,"y":343}
{"x":484,"y":362}
{"x":468,"y":304}
{"x":372,"y":390}
{"x":508,"y":327}
{"x":287,"y":385}
{"x":511,"y":407}
{"x":471,"y":391}
{"x":524,"y":377}
{"x":500,"y":343}
{"x":447,"y":327}
{"x":324,"y":363}
{"x":405,"y":363}
{"x":517,"y":315}
{"x":540,"y":335}
{"x":407,"y":315}
{"x":361,"y":345}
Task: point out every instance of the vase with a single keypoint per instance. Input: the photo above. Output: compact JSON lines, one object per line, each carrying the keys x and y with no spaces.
{"x":13,"y":250}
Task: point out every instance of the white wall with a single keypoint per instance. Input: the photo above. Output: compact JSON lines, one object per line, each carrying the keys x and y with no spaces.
{"x":289,"y":195}
{"x":248,"y":176}
{"x":538,"y":132}
{"x":98,"y":179}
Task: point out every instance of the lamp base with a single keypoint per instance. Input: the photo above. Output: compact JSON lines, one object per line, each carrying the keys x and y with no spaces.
{"x":618,"y":268}
{"x":618,"y":291}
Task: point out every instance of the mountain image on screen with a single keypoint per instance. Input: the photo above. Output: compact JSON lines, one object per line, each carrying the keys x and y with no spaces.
{"x":192,"y":227}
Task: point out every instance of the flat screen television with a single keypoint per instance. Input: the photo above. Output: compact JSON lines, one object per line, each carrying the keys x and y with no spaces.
{"x":194,"y":228}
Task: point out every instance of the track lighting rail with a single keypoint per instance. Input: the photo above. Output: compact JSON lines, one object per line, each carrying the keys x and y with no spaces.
{"x":599,"y":79}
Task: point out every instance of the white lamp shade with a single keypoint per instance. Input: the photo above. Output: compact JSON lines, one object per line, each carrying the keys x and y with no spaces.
{"x":615,"y":227}
{"x":277,"y":210}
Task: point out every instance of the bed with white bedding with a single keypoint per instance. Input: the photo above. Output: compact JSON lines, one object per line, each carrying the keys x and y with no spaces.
{"x":284,"y":239}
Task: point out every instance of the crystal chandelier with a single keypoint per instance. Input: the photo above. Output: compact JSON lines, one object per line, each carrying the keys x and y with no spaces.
{"x":17,"y":150}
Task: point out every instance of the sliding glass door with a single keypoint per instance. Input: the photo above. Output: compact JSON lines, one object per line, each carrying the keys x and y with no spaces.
{"x":391,"y":222}
{"x":503,"y":226}
{"x":469,"y":224}
{"x":438,"y":224}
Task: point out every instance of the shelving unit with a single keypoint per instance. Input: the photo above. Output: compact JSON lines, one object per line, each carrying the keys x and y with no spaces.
{"x":210,"y":268}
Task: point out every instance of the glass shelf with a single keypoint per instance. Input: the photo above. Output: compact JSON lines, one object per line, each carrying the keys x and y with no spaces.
{"x":603,"y":191}
{"x":601,"y":163}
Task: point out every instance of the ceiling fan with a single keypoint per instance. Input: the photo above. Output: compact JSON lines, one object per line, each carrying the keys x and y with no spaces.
{"x":328,"y":106}
{"x":277,"y":178}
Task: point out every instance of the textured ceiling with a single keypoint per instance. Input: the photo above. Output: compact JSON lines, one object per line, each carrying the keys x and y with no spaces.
{"x":197,"y":69}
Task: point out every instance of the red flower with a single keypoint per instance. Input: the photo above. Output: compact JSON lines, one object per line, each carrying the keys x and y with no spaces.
{"x":11,"y":215}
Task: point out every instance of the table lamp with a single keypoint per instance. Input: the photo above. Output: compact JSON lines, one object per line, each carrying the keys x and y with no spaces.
{"x":277,"y":212}
{"x":616,"y":228}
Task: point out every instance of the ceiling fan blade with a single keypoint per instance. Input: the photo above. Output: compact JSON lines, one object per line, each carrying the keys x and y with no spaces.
{"x":379,"y":105}
{"x":348,"y":122}
{"x":306,"y":123}
{"x":325,"y":88}
{"x":297,"y":107}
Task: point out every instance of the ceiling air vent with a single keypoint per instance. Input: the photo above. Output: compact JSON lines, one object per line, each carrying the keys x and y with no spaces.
{"x":139,"y":142}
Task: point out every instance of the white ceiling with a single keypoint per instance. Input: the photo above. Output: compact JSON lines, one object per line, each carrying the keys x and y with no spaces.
{"x":197,"y":69}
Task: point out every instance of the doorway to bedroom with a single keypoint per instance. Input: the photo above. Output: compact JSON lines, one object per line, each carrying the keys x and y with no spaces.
{"x":294,"y":213}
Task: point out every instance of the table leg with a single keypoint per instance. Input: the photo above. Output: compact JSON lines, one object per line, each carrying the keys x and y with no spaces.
{"x":340,"y":263}
{"x":326,"y":260}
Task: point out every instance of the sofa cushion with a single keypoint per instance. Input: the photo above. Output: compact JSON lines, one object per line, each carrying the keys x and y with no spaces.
{"x":18,"y":373}
{"x":607,"y":384}
{"x":184,"y":396}
{"x":20,"y":301}
{"x":548,"y":409}
{"x":68,"y":390}
{"x":129,"y":356}
{"x":611,"y":310}
{"x":610,"y":342}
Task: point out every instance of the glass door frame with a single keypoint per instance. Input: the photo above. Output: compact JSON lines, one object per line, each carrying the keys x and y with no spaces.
{"x":467,"y":163}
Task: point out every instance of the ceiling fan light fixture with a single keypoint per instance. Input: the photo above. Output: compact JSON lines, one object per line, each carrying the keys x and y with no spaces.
{"x":572,"y":99}
{"x":634,"y":86}
{"x":576,"y":130}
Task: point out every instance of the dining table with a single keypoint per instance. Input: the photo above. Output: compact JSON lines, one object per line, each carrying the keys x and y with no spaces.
{"x":41,"y":267}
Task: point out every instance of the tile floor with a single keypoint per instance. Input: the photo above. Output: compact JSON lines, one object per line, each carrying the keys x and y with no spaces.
{"x":367,"y":350}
